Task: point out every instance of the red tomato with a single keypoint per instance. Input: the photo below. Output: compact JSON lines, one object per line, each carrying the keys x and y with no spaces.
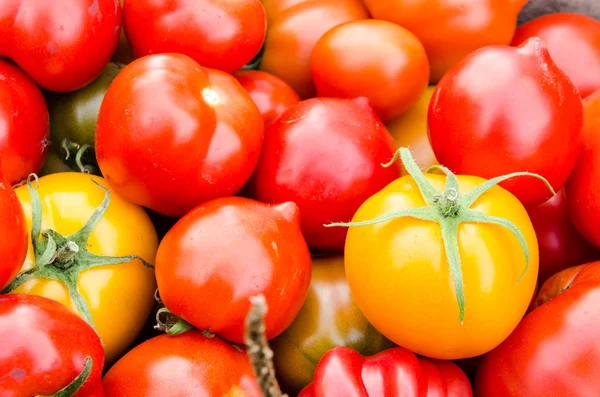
{"x":24,"y":128}
{"x":63,"y":45}
{"x":451,"y":29}
{"x":44,"y":347}
{"x":376,"y":59}
{"x":241,"y":248}
{"x":217,"y":34}
{"x":583,"y":187}
{"x":172,"y":134}
{"x":574,"y":44}
{"x":503,"y":110}
{"x":561,"y":246}
{"x":189,"y":364}
{"x":271,"y":95}
{"x":555,"y":350}
{"x":325,"y":155}
{"x":13,"y":245}
{"x":294,"y":28}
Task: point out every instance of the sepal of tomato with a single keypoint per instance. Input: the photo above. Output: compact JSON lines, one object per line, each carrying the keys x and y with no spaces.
{"x":342,"y":372}
{"x":62,"y":45}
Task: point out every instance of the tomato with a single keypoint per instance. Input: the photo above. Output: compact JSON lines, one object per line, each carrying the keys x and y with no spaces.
{"x":295,"y":26}
{"x":62,"y":45}
{"x":538,"y":8}
{"x":451,"y":29}
{"x":528,"y":117}
{"x":325,"y":155}
{"x":573,"y":41}
{"x":271,"y":95}
{"x":123,"y":53}
{"x":189,"y":364}
{"x":555,"y":349}
{"x":172,"y":135}
{"x":582,"y":188}
{"x":13,"y":245}
{"x":222,"y":35}
{"x":342,"y":372}
{"x":329,"y":318}
{"x":74,"y":115}
{"x":106,"y":285}
{"x":465,"y":257}
{"x":241,"y":248}
{"x":410,"y":130}
{"x":45,"y":348}
{"x":561,"y":246}
{"x":376,"y":59}
{"x":24,"y":121}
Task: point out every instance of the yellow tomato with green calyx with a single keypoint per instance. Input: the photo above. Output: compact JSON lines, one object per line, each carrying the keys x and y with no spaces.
{"x":442,"y":265}
{"x":91,"y":253}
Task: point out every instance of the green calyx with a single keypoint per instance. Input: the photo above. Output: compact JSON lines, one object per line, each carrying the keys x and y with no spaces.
{"x":449,"y":209}
{"x":63,"y":258}
{"x":76,"y":384}
{"x":84,"y":160}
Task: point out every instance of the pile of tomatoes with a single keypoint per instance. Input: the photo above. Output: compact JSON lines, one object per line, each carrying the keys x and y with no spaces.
{"x":340,"y":198}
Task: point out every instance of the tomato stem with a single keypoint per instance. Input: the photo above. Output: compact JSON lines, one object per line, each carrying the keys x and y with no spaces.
{"x":76,"y":384}
{"x":449,"y":209}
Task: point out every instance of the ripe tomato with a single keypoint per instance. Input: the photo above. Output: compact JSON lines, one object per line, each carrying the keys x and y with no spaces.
{"x":555,"y":350}
{"x":376,"y":59}
{"x":561,"y":246}
{"x":528,"y":117}
{"x":451,"y":29}
{"x":241,"y":248}
{"x":583,"y":189}
{"x":172,"y":134}
{"x":63,"y":45}
{"x":573,"y":41}
{"x":410,"y":130}
{"x":325,"y":155}
{"x":45,"y":348}
{"x":24,"y":121}
{"x":271,"y":95}
{"x":13,"y":245}
{"x":189,"y":364}
{"x":217,"y":34}
{"x":329,"y":318}
{"x":295,"y":26}
{"x":445,"y":269}
{"x":115,"y":297}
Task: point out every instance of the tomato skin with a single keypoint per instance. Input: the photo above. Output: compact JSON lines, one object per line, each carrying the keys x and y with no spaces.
{"x":209,"y":283}
{"x":564,"y":328}
{"x":325,"y":155}
{"x":582,"y":188}
{"x":24,"y":119}
{"x":573,"y":41}
{"x":62,"y":45}
{"x":271,"y":95}
{"x":222,"y":35}
{"x":376,"y":59}
{"x":328,"y":318}
{"x":561,"y":246}
{"x":342,"y":372}
{"x":44,"y":347}
{"x":461,"y":27}
{"x":189,"y":364}
{"x":13,"y":245}
{"x":119,"y":297}
{"x":294,"y":28}
{"x":403,"y":260}
{"x":410,"y":130}
{"x":529,"y":108}
{"x":172,"y":135}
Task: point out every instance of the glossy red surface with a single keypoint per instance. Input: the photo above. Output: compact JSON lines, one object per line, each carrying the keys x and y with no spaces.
{"x":63,"y":45}
{"x":13,"y":229}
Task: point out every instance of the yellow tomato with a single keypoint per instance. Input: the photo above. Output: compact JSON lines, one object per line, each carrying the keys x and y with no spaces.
{"x":119,"y":296}
{"x":329,"y":318}
{"x":400,"y":276}
{"x":410,"y":130}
